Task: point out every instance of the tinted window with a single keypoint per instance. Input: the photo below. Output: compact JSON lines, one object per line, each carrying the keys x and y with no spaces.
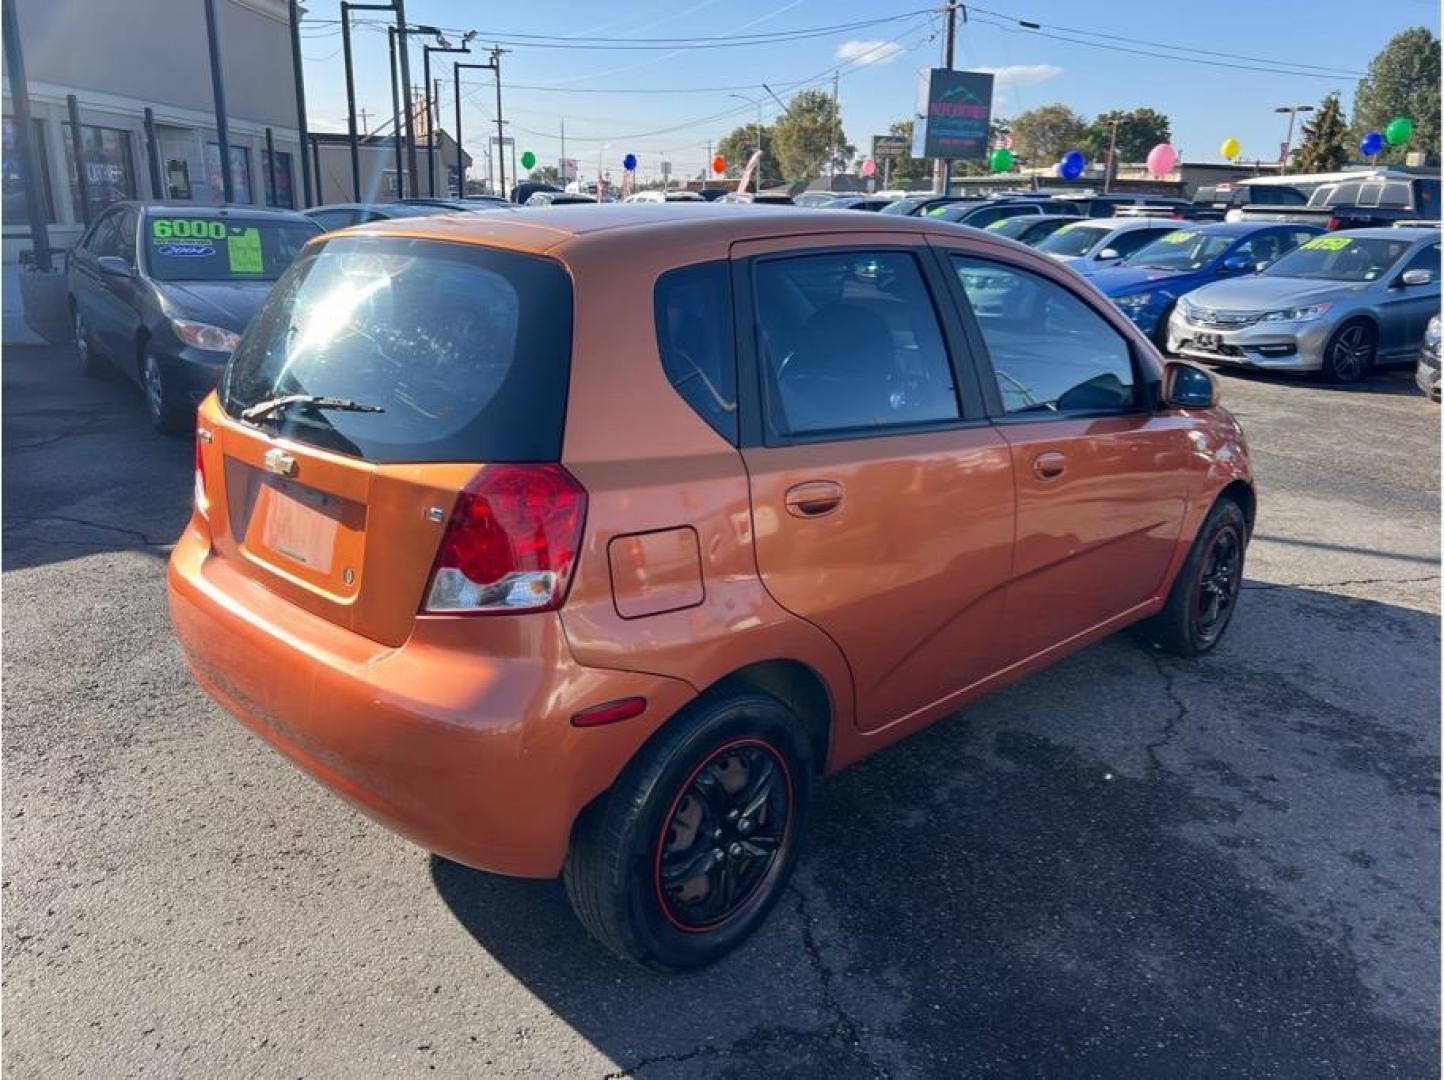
{"x":123,"y":245}
{"x":1050,"y":351}
{"x":1369,"y":194}
{"x":468,"y":350}
{"x":101,"y":240}
{"x":1426,"y":194}
{"x":334,"y":219}
{"x":1395,"y":195}
{"x":1340,"y":257}
{"x":1265,"y":247}
{"x":694,"y":336}
{"x":186,"y":248}
{"x":1129,"y":242}
{"x":850,"y":340}
{"x":1182,"y":249}
{"x":1274,"y":195}
{"x":1076,"y":239}
{"x":1426,"y":258}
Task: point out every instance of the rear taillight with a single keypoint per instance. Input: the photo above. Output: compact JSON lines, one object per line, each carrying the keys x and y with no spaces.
{"x":1333,"y":223}
{"x":511,"y":542}
{"x":203,"y":503}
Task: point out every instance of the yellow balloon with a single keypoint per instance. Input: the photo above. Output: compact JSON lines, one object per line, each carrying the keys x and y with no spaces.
{"x":1230,"y":148}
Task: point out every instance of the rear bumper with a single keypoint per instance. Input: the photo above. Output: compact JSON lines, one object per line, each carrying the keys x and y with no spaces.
{"x":459,"y":739}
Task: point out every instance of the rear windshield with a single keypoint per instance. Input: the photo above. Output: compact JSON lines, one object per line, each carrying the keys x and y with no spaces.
{"x":466,"y":348}
{"x":1074,"y":239}
{"x":185,"y":248}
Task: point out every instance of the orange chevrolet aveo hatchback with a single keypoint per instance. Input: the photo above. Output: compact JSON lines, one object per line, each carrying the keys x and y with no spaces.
{"x":582,"y":543}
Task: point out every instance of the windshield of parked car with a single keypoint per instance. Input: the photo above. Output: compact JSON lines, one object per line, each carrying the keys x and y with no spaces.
{"x":1341,"y":258}
{"x":1184,"y":249}
{"x":184,"y":248}
{"x":1013,"y":226}
{"x":1078,"y":239}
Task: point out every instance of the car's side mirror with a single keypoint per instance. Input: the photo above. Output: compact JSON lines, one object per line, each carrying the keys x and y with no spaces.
{"x":115,"y":266}
{"x":1236,"y":264}
{"x":1416,"y":277}
{"x":1188,"y":387}
{"x":1108,"y":253}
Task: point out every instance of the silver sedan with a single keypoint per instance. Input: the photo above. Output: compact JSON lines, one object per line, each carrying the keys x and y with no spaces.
{"x":1338,"y":304}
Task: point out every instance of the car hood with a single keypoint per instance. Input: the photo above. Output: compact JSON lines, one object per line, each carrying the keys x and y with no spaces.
{"x":1261,"y":293}
{"x":1120,"y":280}
{"x":227,"y":304}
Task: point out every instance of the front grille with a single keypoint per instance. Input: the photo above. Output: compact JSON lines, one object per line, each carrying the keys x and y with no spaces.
{"x":1217,"y":319}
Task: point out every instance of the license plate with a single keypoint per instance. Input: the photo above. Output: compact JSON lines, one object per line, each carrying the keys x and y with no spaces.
{"x":1209,"y":342}
{"x":295,"y":524}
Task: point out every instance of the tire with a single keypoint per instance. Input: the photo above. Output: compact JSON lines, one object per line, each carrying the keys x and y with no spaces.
{"x":1160,"y":332}
{"x":160,"y":406}
{"x":1350,"y":353}
{"x":92,"y":365}
{"x":642,"y":874}
{"x":1189,"y":625}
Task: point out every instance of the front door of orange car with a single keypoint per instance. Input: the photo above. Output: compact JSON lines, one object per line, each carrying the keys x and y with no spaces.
{"x":882,"y":500}
{"x":1101,"y":478}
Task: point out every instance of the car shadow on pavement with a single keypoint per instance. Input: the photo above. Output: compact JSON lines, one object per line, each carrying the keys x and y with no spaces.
{"x":1016,"y":891}
{"x":1391,"y":381}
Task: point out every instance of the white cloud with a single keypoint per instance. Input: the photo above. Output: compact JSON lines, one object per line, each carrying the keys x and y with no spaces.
{"x":1022,"y":74}
{"x":865,"y":53}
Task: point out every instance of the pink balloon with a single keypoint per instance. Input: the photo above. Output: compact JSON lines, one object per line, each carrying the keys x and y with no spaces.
{"x":1161,"y":159}
{"x":868,"y":168}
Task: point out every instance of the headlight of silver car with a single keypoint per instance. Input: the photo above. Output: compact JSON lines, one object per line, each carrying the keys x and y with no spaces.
{"x":1295,"y":314}
{"x":1431,"y":333}
{"x":205,"y":336}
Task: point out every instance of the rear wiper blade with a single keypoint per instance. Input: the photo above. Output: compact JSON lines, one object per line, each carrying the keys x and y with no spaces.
{"x":264,"y":409}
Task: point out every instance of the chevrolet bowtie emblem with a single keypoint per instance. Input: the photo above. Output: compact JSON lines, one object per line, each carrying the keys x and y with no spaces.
{"x":280,"y":463}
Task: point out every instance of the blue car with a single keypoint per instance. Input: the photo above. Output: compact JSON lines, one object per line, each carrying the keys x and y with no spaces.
{"x":1148,"y":283}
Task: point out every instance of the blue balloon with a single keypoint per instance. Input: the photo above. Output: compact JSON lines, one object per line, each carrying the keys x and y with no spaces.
{"x":1073,"y":164}
{"x":1371,"y":144}
{"x":629,"y":162}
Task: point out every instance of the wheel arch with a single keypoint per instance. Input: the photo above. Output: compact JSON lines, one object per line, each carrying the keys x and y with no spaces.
{"x":796,"y":685}
{"x":1241,"y":492}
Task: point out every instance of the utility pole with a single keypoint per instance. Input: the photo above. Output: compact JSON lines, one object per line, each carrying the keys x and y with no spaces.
{"x":299,"y":77}
{"x":562,"y":161}
{"x":433,"y":100}
{"x":1112,"y":150}
{"x":406,"y":82}
{"x":943,"y":171}
{"x":25,"y":146}
{"x":497,"y":52}
{"x":218,"y":92}
{"x":391,"y":36}
{"x":836,"y":137}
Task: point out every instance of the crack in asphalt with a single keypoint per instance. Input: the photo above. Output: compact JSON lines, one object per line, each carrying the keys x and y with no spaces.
{"x":840,"y":1027}
{"x":144,"y":539}
{"x":1170,"y":725}
{"x":1261,"y":585}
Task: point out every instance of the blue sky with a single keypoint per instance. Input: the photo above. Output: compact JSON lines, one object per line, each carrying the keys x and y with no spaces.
{"x":879,"y":65}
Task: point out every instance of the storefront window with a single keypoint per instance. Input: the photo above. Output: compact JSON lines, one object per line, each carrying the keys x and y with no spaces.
{"x":109,"y":168}
{"x":285,"y":194}
{"x":14,"y":209}
{"x":240,"y":173}
{"x":178,"y":178}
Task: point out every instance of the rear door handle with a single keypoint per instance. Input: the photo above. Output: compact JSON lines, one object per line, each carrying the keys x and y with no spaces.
{"x":1049,"y":465}
{"x":813,"y":498}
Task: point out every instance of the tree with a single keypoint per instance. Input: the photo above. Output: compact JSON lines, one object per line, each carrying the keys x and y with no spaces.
{"x":1045,"y":134}
{"x":1326,"y":139}
{"x":738,"y":146}
{"x":546,"y":174}
{"x":1403,"y":80}
{"x":809,"y":137}
{"x":1139,"y":131}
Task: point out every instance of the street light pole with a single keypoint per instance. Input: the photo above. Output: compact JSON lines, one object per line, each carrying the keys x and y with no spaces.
{"x":456,"y":70}
{"x":433,"y":107}
{"x":1293,"y":111}
{"x":218,"y":92}
{"x":296,"y":74}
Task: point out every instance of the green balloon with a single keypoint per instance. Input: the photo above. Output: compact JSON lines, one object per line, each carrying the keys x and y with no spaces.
{"x":528,"y":160}
{"x":1399,"y":131}
{"x":1002,"y":160}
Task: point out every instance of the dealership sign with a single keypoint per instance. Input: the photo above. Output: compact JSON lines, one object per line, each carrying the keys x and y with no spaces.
{"x":890,"y":146}
{"x":954,"y":113}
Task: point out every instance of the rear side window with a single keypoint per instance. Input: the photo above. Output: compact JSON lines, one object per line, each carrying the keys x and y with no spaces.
{"x":849,"y":341}
{"x":696,"y":342}
{"x":466,"y":348}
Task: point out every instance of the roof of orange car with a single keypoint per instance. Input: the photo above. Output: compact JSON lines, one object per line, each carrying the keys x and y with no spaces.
{"x":543,"y":229}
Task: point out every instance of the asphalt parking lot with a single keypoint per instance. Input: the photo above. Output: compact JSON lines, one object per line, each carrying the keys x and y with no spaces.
{"x":1129,"y":865}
